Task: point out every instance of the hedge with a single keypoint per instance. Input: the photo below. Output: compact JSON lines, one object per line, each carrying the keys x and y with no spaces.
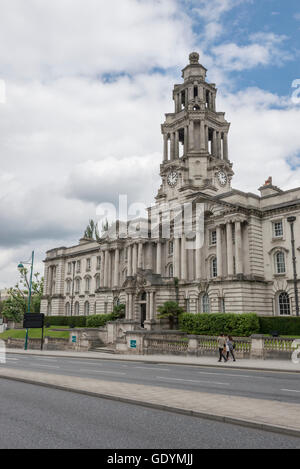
{"x":241,"y":325}
{"x":283,"y":325}
{"x":98,"y":320}
{"x":76,"y":321}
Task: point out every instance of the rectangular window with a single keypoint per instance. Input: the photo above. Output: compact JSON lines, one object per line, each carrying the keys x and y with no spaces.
{"x":78,"y":266}
{"x":69,"y":267}
{"x":98,"y":262}
{"x":88,"y":264}
{"x":278,"y":229}
{"x":213,"y":238}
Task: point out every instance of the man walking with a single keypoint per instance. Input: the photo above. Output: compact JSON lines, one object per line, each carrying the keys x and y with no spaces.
{"x":221,"y":345}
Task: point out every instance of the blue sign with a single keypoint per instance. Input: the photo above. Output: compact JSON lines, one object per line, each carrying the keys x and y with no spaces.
{"x":74,"y":339}
{"x":133,"y":344}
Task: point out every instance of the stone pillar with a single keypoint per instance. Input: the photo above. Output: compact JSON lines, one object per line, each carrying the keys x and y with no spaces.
{"x":148,"y":306}
{"x":213,"y":102}
{"x":191,"y":93}
{"x":102,"y":268}
{"x":140,"y":256}
{"x":202,"y":136}
{"x":166,"y":139}
{"x":206,"y":137}
{"x":106,"y":268}
{"x":176,"y":258}
{"x":116,"y":270}
{"x":134,"y":259}
{"x":176,"y":96}
{"x":130,"y":306}
{"x":129,"y":261}
{"x":219,"y":251}
{"x":225,"y":147}
{"x":185,"y":140}
{"x":214,"y":143}
{"x":177,"y":144}
{"x":109,"y":269}
{"x":183,"y":259}
{"x":172,"y":155}
{"x":158,"y":258}
{"x":238,"y":248}
{"x":219,"y":145}
{"x":151,"y":305}
{"x":229,"y":248}
{"x":191,"y":135}
{"x":198,"y":257}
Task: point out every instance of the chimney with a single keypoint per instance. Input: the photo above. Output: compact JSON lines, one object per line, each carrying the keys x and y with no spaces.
{"x":268,"y":188}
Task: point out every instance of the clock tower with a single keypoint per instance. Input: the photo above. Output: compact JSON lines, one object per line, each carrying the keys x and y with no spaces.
{"x":195,"y":139}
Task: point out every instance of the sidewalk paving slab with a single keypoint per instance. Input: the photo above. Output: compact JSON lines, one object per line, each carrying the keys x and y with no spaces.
{"x":246,"y":364}
{"x":273,"y":416}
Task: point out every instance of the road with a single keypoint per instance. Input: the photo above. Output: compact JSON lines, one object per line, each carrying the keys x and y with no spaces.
{"x":284,"y":387}
{"x":36,"y":417}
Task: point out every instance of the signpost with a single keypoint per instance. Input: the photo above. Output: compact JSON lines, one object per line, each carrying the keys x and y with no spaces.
{"x":34,"y":321}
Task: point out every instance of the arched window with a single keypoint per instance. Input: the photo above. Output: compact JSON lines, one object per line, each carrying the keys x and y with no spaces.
{"x":170,"y":270}
{"x":205,"y":304}
{"x":86,"y":308}
{"x":280,"y":262}
{"x":67,"y":309}
{"x":284,"y":304}
{"x":76,"y":308}
{"x":77,"y":285}
{"x":87,"y":284}
{"x":171,"y":248}
{"x":213,"y":267}
{"x":97,"y":282}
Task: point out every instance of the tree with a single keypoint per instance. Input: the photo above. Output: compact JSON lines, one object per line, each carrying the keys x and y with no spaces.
{"x":119,"y":311}
{"x":170,"y":310}
{"x":15,"y":306}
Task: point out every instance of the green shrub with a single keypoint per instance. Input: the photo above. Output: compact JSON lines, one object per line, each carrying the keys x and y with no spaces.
{"x":76,"y":321}
{"x":98,"y":320}
{"x":284,"y":325}
{"x":241,"y":325}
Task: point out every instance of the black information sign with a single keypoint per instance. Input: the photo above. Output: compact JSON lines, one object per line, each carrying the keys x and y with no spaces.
{"x":33,"y":321}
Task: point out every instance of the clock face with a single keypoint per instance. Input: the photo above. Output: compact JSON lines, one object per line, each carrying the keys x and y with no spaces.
{"x":222,"y":178}
{"x":172,"y":178}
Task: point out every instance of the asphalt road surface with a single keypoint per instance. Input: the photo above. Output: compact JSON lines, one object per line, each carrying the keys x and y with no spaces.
{"x":32,"y":416}
{"x":277,"y":386}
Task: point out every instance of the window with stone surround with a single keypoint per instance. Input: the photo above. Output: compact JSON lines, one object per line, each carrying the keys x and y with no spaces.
{"x":78,"y":266}
{"x":205,"y":303}
{"x":277,"y":229}
{"x":67,"y":309}
{"x":87,"y":284}
{"x":69,"y":267}
{"x":88,"y":264}
{"x":98,"y":262}
{"x":280,"y":262}
{"x":77,"y":285}
{"x":284,"y":306}
{"x":76,"y":308}
{"x":171,"y":248}
{"x":170,"y":270}
{"x":213,"y":267}
{"x":213,"y":238}
{"x":86,"y":308}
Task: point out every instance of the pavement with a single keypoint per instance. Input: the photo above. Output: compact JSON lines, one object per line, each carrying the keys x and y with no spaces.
{"x":267,"y":365}
{"x":262,"y":414}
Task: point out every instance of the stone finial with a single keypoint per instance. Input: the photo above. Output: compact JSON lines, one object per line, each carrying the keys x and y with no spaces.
{"x":194,"y":58}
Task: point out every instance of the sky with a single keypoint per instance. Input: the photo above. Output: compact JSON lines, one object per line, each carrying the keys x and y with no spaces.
{"x":85,"y":84}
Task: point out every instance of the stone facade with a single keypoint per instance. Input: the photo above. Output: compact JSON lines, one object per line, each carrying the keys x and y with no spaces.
{"x":245,"y":262}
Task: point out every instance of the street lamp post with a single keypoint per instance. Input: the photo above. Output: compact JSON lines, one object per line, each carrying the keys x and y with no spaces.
{"x":29,"y":285}
{"x":291,"y":221}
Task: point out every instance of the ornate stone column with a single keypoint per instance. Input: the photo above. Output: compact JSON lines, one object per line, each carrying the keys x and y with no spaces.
{"x":185,"y":140}
{"x":102,"y":268}
{"x":172,"y":156}
{"x":134,"y":259}
{"x":158,"y":258}
{"x":214,"y":143}
{"x":166,"y":140}
{"x":140,"y":256}
{"x":191,"y":135}
{"x":229,"y":248}
{"x":116,"y":268}
{"x":148,"y":306}
{"x":106,"y":267}
{"x":198,"y":257}
{"x":177,"y":144}
{"x":129,"y":261}
{"x":151,"y":305}
{"x":225,"y":146}
{"x":176,"y":258}
{"x":219,"y":145}
{"x":219,"y":251}
{"x":202,"y":136}
{"x":238,"y":248}
{"x":183,"y":259}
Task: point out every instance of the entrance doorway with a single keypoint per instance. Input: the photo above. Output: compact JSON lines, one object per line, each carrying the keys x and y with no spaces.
{"x":143,"y":308}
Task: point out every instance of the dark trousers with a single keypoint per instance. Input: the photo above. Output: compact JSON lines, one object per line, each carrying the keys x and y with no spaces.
{"x":231,"y":353}
{"x":221,"y":353}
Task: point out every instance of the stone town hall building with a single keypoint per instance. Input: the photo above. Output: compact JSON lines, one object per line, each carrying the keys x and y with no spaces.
{"x":245,"y":263}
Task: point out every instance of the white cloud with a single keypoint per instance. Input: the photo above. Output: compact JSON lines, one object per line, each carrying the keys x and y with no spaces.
{"x":212,"y":10}
{"x":264,"y":48}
